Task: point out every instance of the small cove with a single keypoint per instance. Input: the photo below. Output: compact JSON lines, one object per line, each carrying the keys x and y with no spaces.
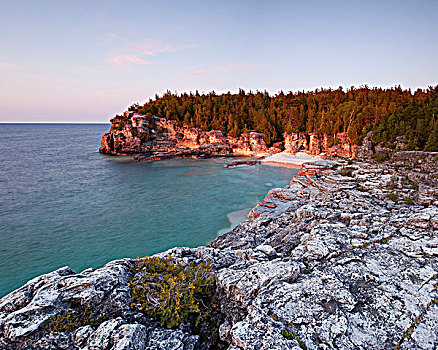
{"x":63,"y":203}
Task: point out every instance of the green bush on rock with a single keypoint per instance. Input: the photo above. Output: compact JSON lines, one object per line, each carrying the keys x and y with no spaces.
{"x":70,"y":320}
{"x":347,"y":171}
{"x":379,"y":157}
{"x":170,"y":291}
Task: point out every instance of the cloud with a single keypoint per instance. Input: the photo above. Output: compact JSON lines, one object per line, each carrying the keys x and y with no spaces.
{"x":153,"y":49}
{"x":126,"y":60}
{"x":7,"y":66}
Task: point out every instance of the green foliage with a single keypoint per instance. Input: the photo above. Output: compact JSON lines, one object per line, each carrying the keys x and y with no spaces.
{"x":392,"y":196}
{"x":432,"y":141}
{"x":347,"y":171}
{"x":379,"y":157}
{"x":170,"y":291}
{"x":392,"y":184}
{"x":408,"y":200}
{"x":70,"y":320}
{"x":389,"y":113}
{"x":290,"y":335}
{"x":404,"y":181}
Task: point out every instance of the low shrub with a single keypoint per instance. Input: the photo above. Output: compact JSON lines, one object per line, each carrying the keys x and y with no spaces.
{"x":405,"y":181}
{"x":171,"y":292}
{"x":408,"y":200}
{"x":347,"y":171}
{"x":380,"y":157}
{"x":392,"y":196}
{"x":70,"y":320}
{"x":392,"y":184}
{"x":290,"y":335}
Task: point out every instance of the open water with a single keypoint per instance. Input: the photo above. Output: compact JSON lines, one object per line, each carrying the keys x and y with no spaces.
{"x":63,"y":203}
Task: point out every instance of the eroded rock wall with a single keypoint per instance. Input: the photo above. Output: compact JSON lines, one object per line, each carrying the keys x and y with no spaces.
{"x":150,"y":138}
{"x":337,"y":145}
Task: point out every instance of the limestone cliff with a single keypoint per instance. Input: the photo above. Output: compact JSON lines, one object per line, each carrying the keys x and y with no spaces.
{"x":153,"y":138}
{"x":337,"y":145}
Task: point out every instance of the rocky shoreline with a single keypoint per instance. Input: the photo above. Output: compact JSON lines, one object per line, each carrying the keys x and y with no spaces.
{"x":345,"y":257}
{"x":153,"y":138}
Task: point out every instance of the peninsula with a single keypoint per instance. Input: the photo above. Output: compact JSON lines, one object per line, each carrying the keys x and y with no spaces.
{"x":323,"y":122}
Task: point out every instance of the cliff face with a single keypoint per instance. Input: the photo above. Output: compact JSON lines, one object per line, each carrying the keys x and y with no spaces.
{"x":151,"y":138}
{"x":337,"y":261}
{"x":154,"y":138}
{"x":338,"y":145}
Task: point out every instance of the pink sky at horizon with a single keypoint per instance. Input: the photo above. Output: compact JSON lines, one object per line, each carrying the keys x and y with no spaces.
{"x":84,"y":62}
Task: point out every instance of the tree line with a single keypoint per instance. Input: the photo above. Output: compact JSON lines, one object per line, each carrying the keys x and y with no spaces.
{"x":389,"y":113}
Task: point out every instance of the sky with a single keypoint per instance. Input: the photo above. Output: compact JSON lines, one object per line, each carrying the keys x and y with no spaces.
{"x":85,"y":61}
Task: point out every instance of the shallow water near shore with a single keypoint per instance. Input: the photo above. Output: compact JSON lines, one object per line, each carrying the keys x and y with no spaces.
{"x":63,"y":203}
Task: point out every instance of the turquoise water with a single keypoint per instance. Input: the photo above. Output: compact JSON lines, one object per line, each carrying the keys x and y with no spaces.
{"x":63,"y":203}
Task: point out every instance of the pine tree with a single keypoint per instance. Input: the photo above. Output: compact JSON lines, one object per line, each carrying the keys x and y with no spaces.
{"x":432,"y":142}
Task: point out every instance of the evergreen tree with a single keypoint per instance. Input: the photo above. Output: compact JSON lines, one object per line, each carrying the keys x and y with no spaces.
{"x":432,"y":141}
{"x":389,"y":113}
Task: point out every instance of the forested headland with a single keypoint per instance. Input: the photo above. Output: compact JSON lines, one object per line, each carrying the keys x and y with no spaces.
{"x":389,"y":113}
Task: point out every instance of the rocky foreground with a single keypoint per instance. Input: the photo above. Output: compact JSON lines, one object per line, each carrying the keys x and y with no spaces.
{"x":342,"y":258}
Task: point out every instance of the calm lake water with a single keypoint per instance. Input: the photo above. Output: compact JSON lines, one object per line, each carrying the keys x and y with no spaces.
{"x":63,"y":203}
